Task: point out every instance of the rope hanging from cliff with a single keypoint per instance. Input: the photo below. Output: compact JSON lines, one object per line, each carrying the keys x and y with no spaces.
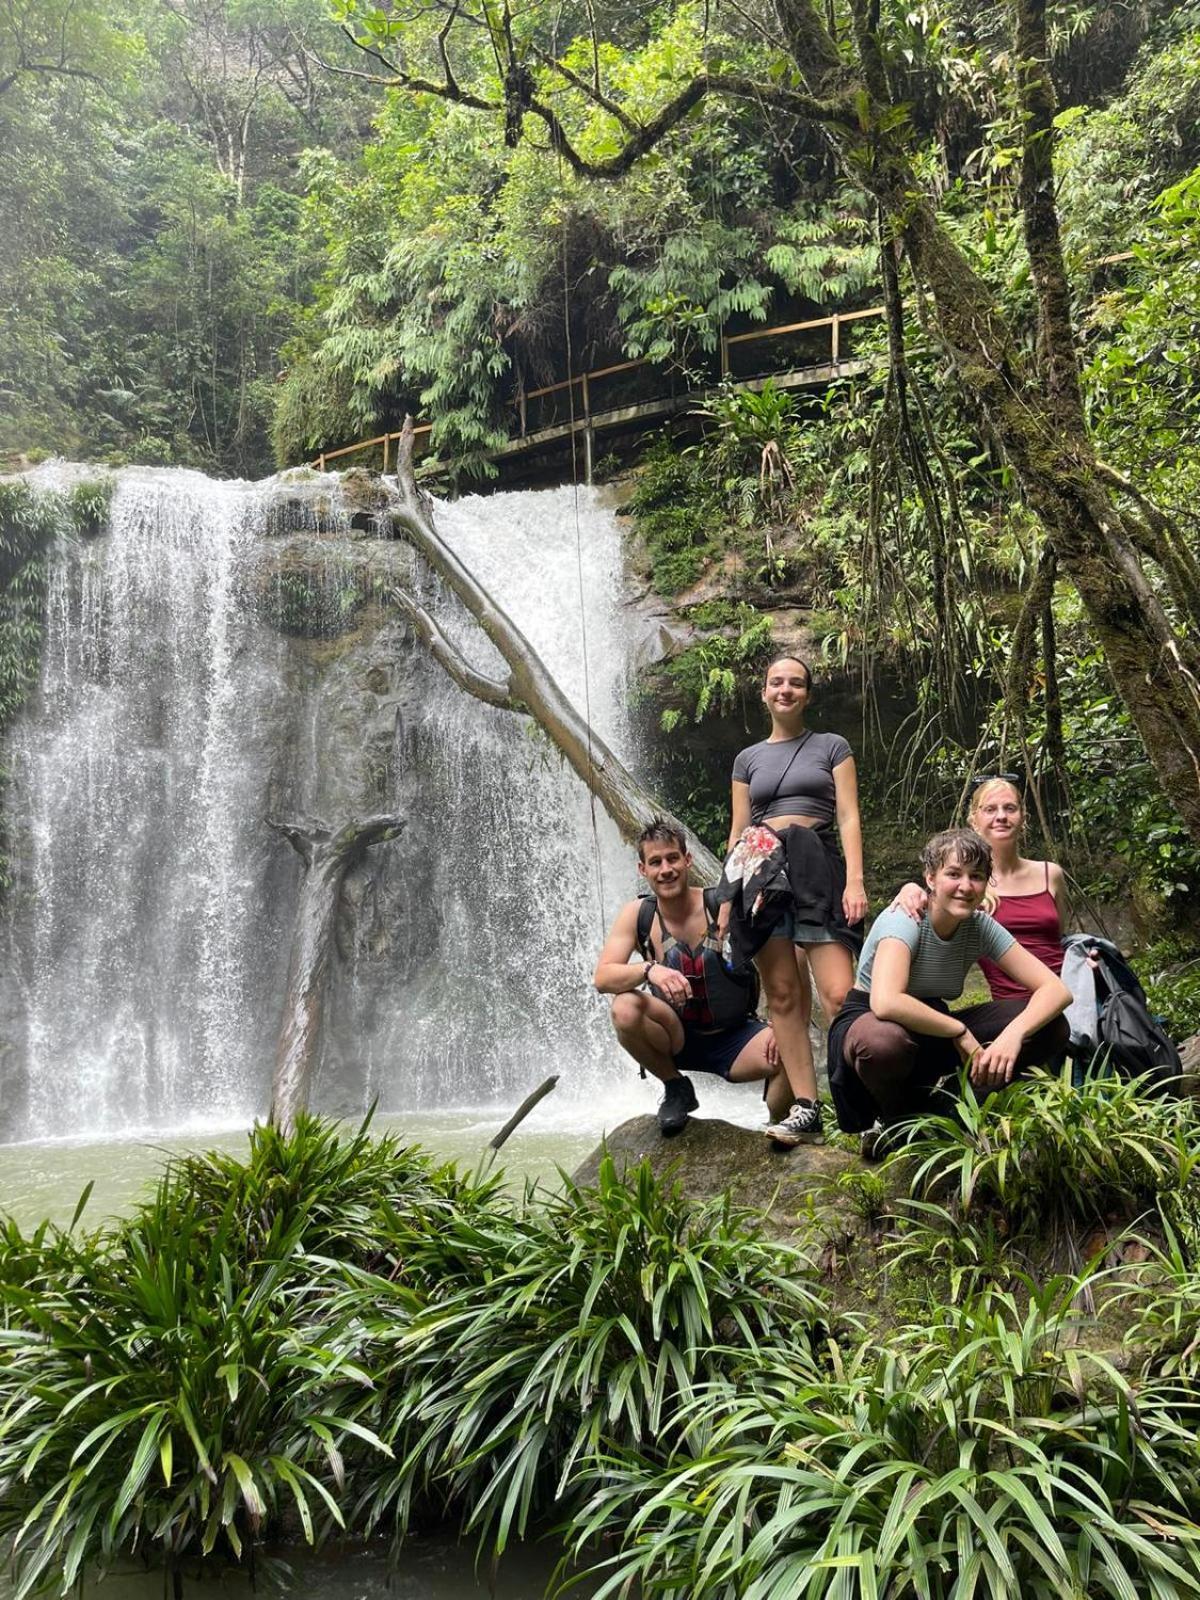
{"x":587,"y":675}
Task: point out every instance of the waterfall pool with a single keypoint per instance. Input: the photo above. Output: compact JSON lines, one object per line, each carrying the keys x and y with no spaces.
{"x":428,"y":1569}
{"x":46,"y":1178}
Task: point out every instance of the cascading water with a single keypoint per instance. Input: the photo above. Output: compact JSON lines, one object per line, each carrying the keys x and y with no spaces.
{"x":135,"y":804}
{"x":150,"y":917}
{"x":520,"y":888}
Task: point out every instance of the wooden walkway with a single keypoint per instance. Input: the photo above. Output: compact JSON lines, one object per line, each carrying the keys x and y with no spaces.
{"x":581,"y":393}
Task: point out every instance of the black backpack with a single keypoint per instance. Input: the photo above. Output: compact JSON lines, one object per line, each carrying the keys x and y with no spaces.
{"x":1128,"y":1037}
{"x":1136,"y":1044}
{"x":744,"y":979}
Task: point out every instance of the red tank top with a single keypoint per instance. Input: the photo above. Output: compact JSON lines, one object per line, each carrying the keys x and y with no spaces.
{"x":1034,"y":923}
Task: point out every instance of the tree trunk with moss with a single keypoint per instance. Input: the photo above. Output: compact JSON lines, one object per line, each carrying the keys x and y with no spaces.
{"x":1034,"y":412}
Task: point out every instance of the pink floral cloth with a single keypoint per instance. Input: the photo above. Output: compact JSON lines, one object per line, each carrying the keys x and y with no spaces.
{"x":756,"y":846}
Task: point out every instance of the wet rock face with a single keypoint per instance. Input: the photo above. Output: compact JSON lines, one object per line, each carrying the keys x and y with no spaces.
{"x":310,"y":590}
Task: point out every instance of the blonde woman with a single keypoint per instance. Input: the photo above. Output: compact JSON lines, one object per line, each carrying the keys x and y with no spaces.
{"x":1026,"y":896}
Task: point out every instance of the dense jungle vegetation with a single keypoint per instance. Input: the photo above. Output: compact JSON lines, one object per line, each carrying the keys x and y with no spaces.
{"x":249,"y":231}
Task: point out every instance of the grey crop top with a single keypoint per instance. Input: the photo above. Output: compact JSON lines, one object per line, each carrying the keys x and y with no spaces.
{"x":807,"y":789}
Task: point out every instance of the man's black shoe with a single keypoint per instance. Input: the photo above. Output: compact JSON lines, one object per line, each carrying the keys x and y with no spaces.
{"x":678,"y":1099}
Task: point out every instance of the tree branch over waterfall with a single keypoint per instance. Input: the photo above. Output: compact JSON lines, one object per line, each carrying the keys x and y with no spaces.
{"x":530,"y":687}
{"x":328,"y":855}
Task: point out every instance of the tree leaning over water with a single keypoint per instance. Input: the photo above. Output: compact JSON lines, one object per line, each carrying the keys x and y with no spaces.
{"x":527,"y":687}
{"x":843,"y":71}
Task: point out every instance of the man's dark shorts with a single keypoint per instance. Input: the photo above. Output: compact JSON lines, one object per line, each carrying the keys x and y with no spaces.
{"x":716,"y":1052}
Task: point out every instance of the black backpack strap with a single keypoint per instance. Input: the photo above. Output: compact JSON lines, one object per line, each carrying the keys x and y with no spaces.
{"x":647,"y":906}
{"x":713,"y":900}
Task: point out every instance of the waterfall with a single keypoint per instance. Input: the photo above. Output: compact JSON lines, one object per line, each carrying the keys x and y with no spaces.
{"x":149,"y":920}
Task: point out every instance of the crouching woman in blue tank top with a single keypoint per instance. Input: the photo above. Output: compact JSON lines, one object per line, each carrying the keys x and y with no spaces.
{"x":896,"y":1039}
{"x":792,"y":891}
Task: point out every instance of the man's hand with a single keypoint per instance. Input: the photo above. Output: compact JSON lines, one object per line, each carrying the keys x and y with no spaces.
{"x":771,"y":1048}
{"x":675,"y":989}
{"x":995,"y":1064}
{"x":854,"y":901}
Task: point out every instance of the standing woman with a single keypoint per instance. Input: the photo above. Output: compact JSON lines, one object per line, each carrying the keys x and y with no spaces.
{"x":1026,"y":896}
{"x":800,"y":894}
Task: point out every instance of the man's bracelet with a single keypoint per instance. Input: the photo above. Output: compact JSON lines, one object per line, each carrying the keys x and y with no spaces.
{"x":646,"y":973}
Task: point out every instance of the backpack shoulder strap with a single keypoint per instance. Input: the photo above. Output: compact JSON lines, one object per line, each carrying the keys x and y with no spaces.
{"x":712,"y":904}
{"x":647,"y":906}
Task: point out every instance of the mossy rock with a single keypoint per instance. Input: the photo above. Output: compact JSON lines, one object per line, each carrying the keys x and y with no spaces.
{"x":311,"y":594}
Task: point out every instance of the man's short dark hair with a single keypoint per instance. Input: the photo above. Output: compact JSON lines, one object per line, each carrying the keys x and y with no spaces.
{"x":963,"y":845}
{"x":659,"y":831}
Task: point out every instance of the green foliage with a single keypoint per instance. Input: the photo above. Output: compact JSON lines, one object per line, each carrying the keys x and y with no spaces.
{"x":677,"y":515}
{"x":596,"y":1322}
{"x":1117,"y":809}
{"x":29,"y":522}
{"x":984,"y":1453}
{"x":160,"y":268}
{"x":335,"y":1331}
{"x":673,"y":310}
{"x":178,"y":1384}
{"x":1051,"y":1155}
{"x":713,"y":673}
{"x":1170,"y":974}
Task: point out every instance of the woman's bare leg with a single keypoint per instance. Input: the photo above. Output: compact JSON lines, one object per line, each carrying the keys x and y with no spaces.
{"x":833,"y":974}
{"x":789,"y":1009}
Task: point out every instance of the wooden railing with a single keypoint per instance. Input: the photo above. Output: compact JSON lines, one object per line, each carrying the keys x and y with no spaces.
{"x":586,"y":419}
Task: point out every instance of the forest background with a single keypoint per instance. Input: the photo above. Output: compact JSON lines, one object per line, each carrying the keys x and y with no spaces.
{"x":239,"y":233}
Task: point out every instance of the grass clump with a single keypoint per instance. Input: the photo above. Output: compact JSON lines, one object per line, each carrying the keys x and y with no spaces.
{"x":1051,"y":1156}
{"x":186,"y":1384}
{"x":983,"y":1455}
{"x":606,"y":1311}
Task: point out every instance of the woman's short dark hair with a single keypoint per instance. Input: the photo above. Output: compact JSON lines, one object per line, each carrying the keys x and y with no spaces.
{"x":800,"y":662}
{"x":659,"y":831}
{"x":959,"y":844}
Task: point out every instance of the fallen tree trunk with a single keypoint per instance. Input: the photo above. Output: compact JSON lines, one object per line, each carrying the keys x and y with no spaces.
{"x":528,"y":686}
{"x":327,"y":857}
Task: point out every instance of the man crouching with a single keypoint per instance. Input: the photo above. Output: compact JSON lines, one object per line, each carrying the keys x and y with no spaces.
{"x":683,"y":1008}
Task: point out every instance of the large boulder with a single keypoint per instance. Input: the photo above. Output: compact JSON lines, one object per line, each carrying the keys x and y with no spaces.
{"x":793,"y":1189}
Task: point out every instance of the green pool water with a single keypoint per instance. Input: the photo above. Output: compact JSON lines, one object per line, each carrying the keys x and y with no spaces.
{"x":46,"y":1180}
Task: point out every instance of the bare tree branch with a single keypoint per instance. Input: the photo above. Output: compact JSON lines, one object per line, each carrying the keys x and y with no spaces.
{"x":592,"y":90}
{"x":327,"y":855}
{"x":489,"y":690}
{"x":531,"y":686}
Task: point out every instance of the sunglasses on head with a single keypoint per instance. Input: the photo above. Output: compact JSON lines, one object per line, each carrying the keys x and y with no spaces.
{"x":981,"y":778}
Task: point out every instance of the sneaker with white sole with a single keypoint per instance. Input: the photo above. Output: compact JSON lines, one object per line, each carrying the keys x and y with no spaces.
{"x":679,"y":1098}
{"x":874,"y":1145}
{"x":802,"y":1125}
